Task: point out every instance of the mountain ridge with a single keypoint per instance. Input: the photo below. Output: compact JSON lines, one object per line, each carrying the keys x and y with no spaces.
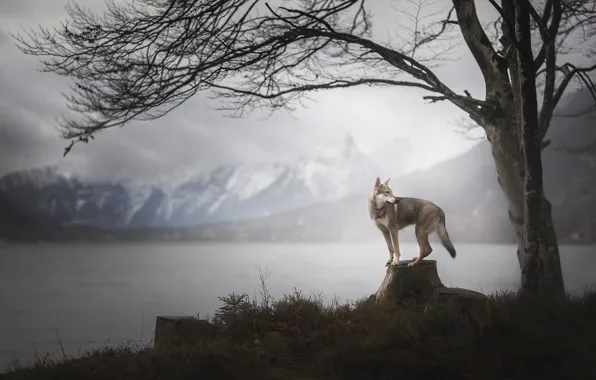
{"x":317,"y":197}
{"x":228,"y":192}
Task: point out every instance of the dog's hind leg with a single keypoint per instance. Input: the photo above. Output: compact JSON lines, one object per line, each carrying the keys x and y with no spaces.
{"x":428,"y":249}
{"x":424,"y":246}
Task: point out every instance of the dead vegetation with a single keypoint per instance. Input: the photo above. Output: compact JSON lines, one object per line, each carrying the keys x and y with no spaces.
{"x":308,"y":337}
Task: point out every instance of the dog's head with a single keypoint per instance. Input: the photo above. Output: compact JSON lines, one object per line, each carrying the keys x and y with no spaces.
{"x":382,"y":193}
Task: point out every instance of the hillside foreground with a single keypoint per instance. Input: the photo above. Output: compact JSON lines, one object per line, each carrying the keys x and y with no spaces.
{"x":305,"y":337}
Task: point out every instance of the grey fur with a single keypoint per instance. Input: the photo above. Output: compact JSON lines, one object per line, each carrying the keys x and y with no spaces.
{"x":391,"y":214}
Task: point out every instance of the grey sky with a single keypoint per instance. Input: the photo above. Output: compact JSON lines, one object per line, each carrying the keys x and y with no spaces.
{"x":197,"y":137}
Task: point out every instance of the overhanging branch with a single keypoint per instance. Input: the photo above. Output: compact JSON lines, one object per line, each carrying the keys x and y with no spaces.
{"x":548,"y":36}
{"x":569,"y":71}
{"x":486,"y":57}
{"x":143,"y":59}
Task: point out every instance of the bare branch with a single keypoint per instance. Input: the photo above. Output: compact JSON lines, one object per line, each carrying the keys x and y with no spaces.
{"x":507,"y":21}
{"x":548,"y":36}
{"x":569,"y":71}
{"x":469,"y":129}
{"x":143,"y":58}
{"x":544,"y":32}
{"x":487,"y":58}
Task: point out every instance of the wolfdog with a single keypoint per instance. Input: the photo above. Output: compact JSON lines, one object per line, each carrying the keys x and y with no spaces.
{"x":391,"y":214}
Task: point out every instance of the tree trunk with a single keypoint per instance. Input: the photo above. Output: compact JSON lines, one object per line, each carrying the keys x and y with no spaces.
{"x":535,"y":275}
{"x":503,"y":135}
{"x":509,"y":163}
{"x":533,"y":193}
{"x":552,"y":276}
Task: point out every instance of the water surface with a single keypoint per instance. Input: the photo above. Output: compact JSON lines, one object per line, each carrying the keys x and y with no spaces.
{"x":87,"y":295}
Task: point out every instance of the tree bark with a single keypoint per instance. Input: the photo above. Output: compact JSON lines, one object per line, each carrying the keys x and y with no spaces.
{"x":552,"y":275}
{"x":531,"y":268}
{"x":535,"y":273}
{"x":509,"y":163}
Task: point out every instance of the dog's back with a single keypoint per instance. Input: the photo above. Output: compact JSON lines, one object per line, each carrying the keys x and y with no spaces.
{"x":426,"y":216}
{"x":417,"y":211}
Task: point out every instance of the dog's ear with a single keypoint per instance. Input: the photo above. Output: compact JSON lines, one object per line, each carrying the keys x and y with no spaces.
{"x":378,"y":182}
{"x":387,"y":182}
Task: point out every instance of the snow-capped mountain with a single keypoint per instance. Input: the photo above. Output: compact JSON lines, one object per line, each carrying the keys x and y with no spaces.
{"x":227,"y":193}
{"x":66,"y":199}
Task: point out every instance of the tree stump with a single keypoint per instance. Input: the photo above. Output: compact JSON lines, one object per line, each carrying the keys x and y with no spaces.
{"x":470,"y":307}
{"x":403,"y":283}
{"x":181,"y":330}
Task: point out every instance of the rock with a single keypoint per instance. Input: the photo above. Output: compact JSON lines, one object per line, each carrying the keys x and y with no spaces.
{"x":470,"y":307}
{"x":181,"y":330}
{"x":403,"y":283}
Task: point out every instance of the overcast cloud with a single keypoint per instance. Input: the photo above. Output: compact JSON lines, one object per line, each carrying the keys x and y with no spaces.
{"x":195,"y":136}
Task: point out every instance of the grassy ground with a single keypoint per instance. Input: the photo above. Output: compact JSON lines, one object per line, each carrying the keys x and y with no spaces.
{"x":304,"y":337}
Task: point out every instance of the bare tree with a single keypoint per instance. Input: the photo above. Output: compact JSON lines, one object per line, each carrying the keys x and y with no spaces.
{"x":143,"y":59}
{"x":468,"y":129}
{"x":530,"y":142}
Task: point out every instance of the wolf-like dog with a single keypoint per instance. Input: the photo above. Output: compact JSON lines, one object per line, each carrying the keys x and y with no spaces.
{"x":390,"y":214}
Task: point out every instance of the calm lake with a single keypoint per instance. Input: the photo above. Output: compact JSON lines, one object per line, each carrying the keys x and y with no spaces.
{"x":90,"y":295}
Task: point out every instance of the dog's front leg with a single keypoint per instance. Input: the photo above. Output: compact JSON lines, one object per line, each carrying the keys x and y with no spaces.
{"x":387,"y":236}
{"x":394,"y":233}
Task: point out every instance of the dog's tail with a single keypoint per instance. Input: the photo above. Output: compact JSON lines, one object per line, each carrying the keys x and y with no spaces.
{"x":444,"y":236}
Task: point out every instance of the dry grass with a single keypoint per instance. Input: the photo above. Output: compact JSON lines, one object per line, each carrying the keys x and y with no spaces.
{"x":306,"y":337}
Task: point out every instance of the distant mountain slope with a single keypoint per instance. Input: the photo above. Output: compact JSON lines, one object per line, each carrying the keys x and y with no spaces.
{"x":227,"y":193}
{"x":54,"y":195}
{"x":20,"y":222}
{"x":570,"y":178}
